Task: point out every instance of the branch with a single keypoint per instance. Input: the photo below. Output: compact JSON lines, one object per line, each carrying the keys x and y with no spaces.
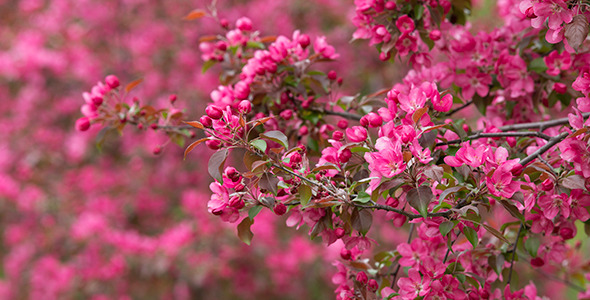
{"x":514,"y":252}
{"x":481,"y":135}
{"x":450,"y":113}
{"x":412,"y":216}
{"x":541,"y":125}
{"x":345,"y":115}
{"x":552,"y":142}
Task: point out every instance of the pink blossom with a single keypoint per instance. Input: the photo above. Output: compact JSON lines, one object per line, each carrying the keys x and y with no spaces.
{"x":414,"y":285}
{"x":405,"y":24}
{"x":551,"y":205}
{"x":356,"y":134}
{"x":556,"y":63}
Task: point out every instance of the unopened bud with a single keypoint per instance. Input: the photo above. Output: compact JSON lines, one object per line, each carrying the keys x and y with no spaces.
{"x":157,"y":150}
{"x":339,"y":232}
{"x":345,"y":254}
{"x":214,"y":112}
{"x":344,"y":155}
{"x":236,"y":202}
{"x":332,"y":75}
{"x":213,"y":144}
{"x":372,"y":285}
{"x":362,"y":277}
{"x":206,"y":121}
{"x":112,"y":81}
{"x":304,"y":41}
{"x":83,"y":124}
{"x":280,"y":209}
{"x":172,"y":98}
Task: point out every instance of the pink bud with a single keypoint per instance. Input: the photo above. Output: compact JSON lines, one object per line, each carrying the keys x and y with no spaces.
{"x":286,"y":114}
{"x":224,"y":23}
{"x":537,"y":262}
{"x":232,"y":174}
{"x":393,"y":202}
{"x":221,"y":46}
{"x":511,"y":141}
{"x":434,"y":35}
{"x":154,"y":126}
{"x":364,"y":121}
{"x":337,"y":135}
{"x":547,"y":185}
{"x":244,"y":24}
{"x":245,"y":106}
{"x":206,"y":121}
{"x":339,"y":232}
{"x":83,"y":124}
{"x":339,"y":81}
{"x":294,"y":158}
{"x":384,"y":56}
{"x":374,"y":119}
{"x":344,"y":155}
{"x":342,"y":124}
{"x":332,"y":75}
{"x":213,"y":144}
{"x":362,"y":277}
{"x":172,"y":98}
{"x":241,"y":90}
{"x":356,"y":134}
{"x":372,"y":285}
{"x":280,"y":209}
{"x":157,"y":150}
{"x":345,"y":254}
{"x":304,"y":41}
{"x":530,"y":13}
{"x":390,"y":5}
{"x":239,"y":187}
{"x":236,"y":202}
{"x":214,"y":112}
{"x":303,"y":130}
{"x":560,"y":88}
{"x":112,"y":81}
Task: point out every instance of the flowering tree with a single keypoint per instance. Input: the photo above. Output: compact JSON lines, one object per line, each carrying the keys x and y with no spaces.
{"x":492,"y":204}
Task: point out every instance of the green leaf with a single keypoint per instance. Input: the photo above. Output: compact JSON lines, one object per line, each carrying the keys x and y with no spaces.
{"x":244,"y":232}
{"x":496,"y":233}
{"x":531,"y":245}
{"x":418,"y":12}
{"x":259,"y":144}
{"x":276,"y":136}
{"x":481,"y":103}
{"x":537,"y":65}
{"x":253,"y":212}
{"x":257,"y":45}
{"x":362,"y":197}
{"x":216,"y":162}
{"x":471,"y":235}
{"x":446,"y":227}
{"x":420,"y":198}
{"x":207,"y":65}
{"x":304,"y":194}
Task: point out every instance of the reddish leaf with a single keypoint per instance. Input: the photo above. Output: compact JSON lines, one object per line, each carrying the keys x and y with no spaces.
{"x":195,"y":14}
{"x":576,"y":31}
{"x":216,"y":164}
{"x":419,"y":113}
{"x":132,"y":85}
{"x":193,"y":145}
{"x":276,"y":136}
{"x":207,"y":38}
{"x":195,"y":124}
{"x":361,"y":220}
{"x":419,"y":199}
{"x":496,"y":233}
{"x":244,"y":232}
{"x":574,"y":182}
{"x":269,"y":182}
{"x":249,"y":159}
{"x":268,"y":39}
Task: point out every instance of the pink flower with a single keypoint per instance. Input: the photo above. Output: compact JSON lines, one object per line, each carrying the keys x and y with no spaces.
{"x":414,"y":285}
{"x":405,"y":24}
{"x":321,"y":46}
{"x":389,"y":161}
{"x":557,"y":62}
{"x":473,"y":157}
{"x":576,"y":152}
{"x":442,"y":103}
{"x":500,"y":184}
{"x":405,"y":44}
{"x":551,"y":205}
{"x":474,"y":81}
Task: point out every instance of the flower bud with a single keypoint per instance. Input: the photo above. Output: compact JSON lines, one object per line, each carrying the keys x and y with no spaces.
{"x":172,"y":98}
{"x":339,"y":232}
{"x":372,"y":285}
{"x":434,"y":35}
{"x":213,"y":144}
{"x":393,"y":202}
{"x":236,"y":202}
{"x":547,"y":185}
{"x":112,"y":81}
{"x":384,"y":56}
{"x":342,"y":124}
{"x":224,"y":23}
{"x":390,"y":5}
{"x":332,"y":75}
{"x":214,"y":112}
{"x":286,"y":114}
{"x":344,"y":155}
{"x":345,"y":254}
{"x":560,"y":88}
{"x":374,"y":119}
{"x":239,"y":187}
{"x":244,"y":24}
{"x":241,"y":90}
{"x":337,"y":135}
{"x":280,"y":209}
{"x":83,"y":124}
{"x":303,"y":40}
{"x":157,"y":150}
{"x":206,"y":121}
{"x":232,"y":174}
{"x":245,"y":106}
{"x":361,"y":277}
{"x":356,"y":134}
{"x":154,"y":126}
{"x":303,"y":130}
{"x":537,"y":262}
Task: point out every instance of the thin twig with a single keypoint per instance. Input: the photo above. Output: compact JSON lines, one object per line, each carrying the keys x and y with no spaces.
{"x":514,"y":252}
{"x":450,"y":113}
{"x":552,"y":142}
{"x":481,"y":135}
{"x":541,"y":125}
{"x":345,"y":115}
